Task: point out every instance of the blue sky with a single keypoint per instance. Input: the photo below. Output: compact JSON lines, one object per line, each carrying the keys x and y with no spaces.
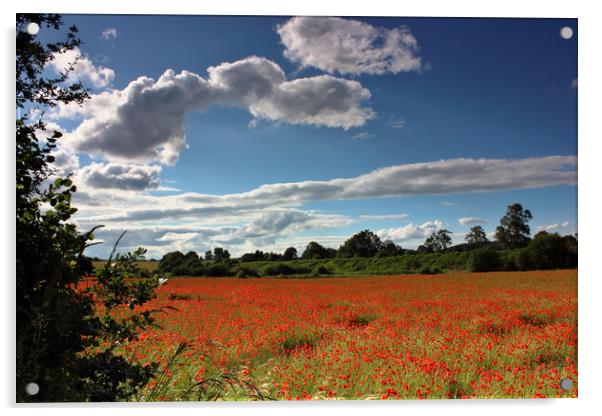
{"x":486,"y":107}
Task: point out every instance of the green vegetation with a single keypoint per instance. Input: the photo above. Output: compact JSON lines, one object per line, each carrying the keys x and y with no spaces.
{"x":545,"y":251}
{"x":65,"y":344}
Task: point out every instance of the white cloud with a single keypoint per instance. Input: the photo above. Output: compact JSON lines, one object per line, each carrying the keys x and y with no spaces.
{"x":65,"y":161}
{"x":109,"y":33}
{"x":266,"y":230}
{"x":272,"y":215}
{"x":82,"y":68}
{"x":146,"y":120}
{"x":397,"y":123}
{"x":553,"y":227}
{"x":439,"y":177}
{"x":120,"y":176}
{"x":363,"y":136}
{"x":348,"y":46}
{"x":471,"y":221}
{"x":410,"y":231}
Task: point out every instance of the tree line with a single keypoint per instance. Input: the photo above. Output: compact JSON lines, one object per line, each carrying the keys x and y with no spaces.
{"x":512,"y":249}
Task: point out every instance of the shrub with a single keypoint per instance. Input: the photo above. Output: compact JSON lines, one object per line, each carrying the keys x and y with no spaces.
{"x":322,"y":269}
{"x":282,"y":269}
{"x":484,"y":260}
{"x":219,"y":269}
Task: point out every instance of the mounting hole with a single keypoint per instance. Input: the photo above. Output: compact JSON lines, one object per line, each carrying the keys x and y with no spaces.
{"x":566,"y":384}
{"x":566,"y":32}
{"x":32,"y":389}
{"x":33,"y":28}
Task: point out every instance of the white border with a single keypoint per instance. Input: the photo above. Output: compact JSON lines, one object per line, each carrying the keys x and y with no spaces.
{"x":589,"y":35}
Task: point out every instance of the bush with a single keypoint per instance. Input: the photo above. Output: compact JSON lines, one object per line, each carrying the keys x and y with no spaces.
{"x":321,"y":269}
{"x":282,"y":269}
{"x":219,"y":269}
{"x":484,"y":260}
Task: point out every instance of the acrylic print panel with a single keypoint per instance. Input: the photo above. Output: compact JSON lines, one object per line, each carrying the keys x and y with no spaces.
{"x":329,"y":208}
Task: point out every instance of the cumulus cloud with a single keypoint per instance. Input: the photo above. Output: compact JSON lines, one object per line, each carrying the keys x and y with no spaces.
{"x":81,"y":68}
{"x":471,"y":221}
{"x":346,"y":46}
{"x":553,"y":227}
{"x":265,"y":230}
{"x":65,"y":161}
{"x":109,"y":33}
{"x":146,"y":120}
{"x":410,"y":231}
{"x":120,"y":176}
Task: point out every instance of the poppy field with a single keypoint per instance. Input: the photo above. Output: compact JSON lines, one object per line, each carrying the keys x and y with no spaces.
{"x":480,"y":335}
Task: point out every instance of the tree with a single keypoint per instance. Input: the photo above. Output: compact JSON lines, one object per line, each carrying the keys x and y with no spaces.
{"x":438,"y":241}
{"x":64,"y":343}
{"x":170,"y":261}
{"x":314,"y":250}
{"x":290,"y":254}
{"x":389,"y":248}
{"x":219,"y":254}
{"x":476,"y":235}
{"x":363,"y":244}
{"x":208,"y":255}
{"x":551,"y":251}
{"x":513,"y":231}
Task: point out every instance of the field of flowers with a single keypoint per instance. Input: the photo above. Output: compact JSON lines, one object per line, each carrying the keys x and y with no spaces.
{"x":490,"y":335}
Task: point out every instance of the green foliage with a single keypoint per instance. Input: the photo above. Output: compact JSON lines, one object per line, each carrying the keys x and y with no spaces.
{"x":322,"y":270}
{"x":290,"y":254}
{"x":363,"y":244}
{"x":315,"y":250}
{"x":63,"y":343}
{"x":476,"y":235}
{"x":522,"y":259}
{"x":513,"y":231}
{"x":170,"y":261}
{"x":219,"y":254}
{"x":484,"y":260}
{"x":388,"y":249}
{"x":426,"y":269}
{"x":551,"y":251}
{"x":284,"y":269}
{"x":438,"y":241}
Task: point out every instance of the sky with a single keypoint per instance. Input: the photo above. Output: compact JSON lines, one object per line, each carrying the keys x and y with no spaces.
{"x":268,"y":132}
